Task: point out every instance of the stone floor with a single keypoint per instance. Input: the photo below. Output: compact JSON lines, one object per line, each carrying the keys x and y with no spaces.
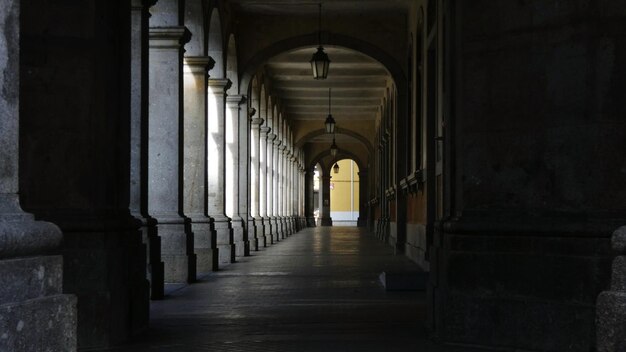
{"x":317,"y":290}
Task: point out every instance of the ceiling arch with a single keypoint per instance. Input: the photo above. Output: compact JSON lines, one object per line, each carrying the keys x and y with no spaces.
{"x":330,"y":39}
{"x":343,"y":154}
{"x":338,"y":130}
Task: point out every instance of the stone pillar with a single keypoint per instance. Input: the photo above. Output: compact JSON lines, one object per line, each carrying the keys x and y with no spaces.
{"x":363,"y":196}
{"x":244,"y":181}
{"x":233,"y":146}
{"x":275,"y":185}
{"x":264,"y":236}
{"x":195,"y":162}
{"x":290,"y":194}
{"x":281,"y":189}
{"x":270,"y":230}
{"x":164,"y":156}
{"x":287,"y":185}
{"x":309,"y":201}
{"x":256,"y":224}
{"x":138,"y":202}
{"x":217,"y":171}
{"x":32,"y":283}
{"x":325,"y":206}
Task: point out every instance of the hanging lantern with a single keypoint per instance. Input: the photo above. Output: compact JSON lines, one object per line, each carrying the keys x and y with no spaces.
{"x":330,"y":121}
{"x":333,"y":148}
{"x":320,"y":61}
{"x":336,"y":168}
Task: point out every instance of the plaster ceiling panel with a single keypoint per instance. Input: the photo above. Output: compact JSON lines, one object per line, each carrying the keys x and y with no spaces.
{"x":358,"y":84}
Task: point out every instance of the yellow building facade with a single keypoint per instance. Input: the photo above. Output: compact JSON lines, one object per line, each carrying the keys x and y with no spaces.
{"x":344,"y":194}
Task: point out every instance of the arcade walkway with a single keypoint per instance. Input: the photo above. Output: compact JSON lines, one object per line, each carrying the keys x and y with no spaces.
{"x":317,"y":290}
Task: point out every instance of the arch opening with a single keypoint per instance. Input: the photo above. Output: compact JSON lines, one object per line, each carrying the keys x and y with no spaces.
{"x":344,"y":193}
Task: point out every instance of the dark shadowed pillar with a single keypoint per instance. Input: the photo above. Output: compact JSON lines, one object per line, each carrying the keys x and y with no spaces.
{"x":31,"y":279}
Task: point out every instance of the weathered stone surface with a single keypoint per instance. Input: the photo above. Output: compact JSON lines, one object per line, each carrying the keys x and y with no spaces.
{"x":611,"y":322}
{"x":618,"y":240}
{"x":46,"y":324}
{"x":27,"y":236}
{"x":28,"y":278}
{"x":34,"y":314}
{"x":533,"y":292}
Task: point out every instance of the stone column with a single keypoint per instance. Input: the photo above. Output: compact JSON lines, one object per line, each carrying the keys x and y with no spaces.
{"x":32,"y":284}
{"x":286,"y":180}
{"x":164,"y":156}
{"x":195,"y":162}
{"x":244,"y":180}
{"x":281,"y":189}
{"x":217,"y":171}
{"x":138,"y":202}
{"x":275,"y":184}
{"x":309,"y":194}
{"x":363,"y":196}
{"x":270,"y":230}
{"x":325,"y":206}
{"x":256,"y":224}
{"x":264,"y":236}
{"x":233,"y":146}
{"x":290,"y":183}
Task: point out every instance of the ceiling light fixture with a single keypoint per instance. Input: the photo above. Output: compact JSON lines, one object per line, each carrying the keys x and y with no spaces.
{"x":320,"y":61}
{"x":333,"y":148}
{"x":330,"y":121}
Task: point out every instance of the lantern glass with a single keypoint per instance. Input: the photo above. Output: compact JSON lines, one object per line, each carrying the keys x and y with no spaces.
{"x":336,"y":168}
{"x":330,"y":124}
{"x":320,"y":63}
{"x":334,"y":149}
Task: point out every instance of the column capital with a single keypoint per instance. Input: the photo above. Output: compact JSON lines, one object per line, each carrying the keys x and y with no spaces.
{"x":222,"y":84}
{"x":282,"y":147}
{"x":142,"y":4}
{"x":237,"y":99}
{"x":168,"y":37}
{"x":277,"y":142}
{"x":256,"y":122}
{"x":272,"y":137}
{"x":199,"y":64}
{"x":265,"y":130}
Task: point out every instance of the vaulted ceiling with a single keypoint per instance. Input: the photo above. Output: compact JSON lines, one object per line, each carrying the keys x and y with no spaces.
{"x":359,"y":83}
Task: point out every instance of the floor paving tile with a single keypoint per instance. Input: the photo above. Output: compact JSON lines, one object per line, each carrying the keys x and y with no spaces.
{"x":317,"y":290}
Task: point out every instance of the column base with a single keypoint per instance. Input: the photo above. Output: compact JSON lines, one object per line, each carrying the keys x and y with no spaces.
{"x":179,"y":264}
{"x":260,"y":234}
{"x":225,"y":243}
{"x":35,"y":315}
{"x":278,"y":233}
{"x":252,"y":241}
{"x":327,"y":222}
{"x":155,"y":266}
{"x":269,"y":232}
{"x":240,"y":237}
{"x":205,"y":246}
{"x":310,"y":221}
{"x":105,"y":268}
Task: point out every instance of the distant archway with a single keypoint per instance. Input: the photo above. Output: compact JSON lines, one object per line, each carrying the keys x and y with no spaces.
{"x":344,"y":193}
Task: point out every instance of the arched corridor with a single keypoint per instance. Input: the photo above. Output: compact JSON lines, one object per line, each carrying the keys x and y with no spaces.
{"x":167,"y":174}
{"x":319,"y":290}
